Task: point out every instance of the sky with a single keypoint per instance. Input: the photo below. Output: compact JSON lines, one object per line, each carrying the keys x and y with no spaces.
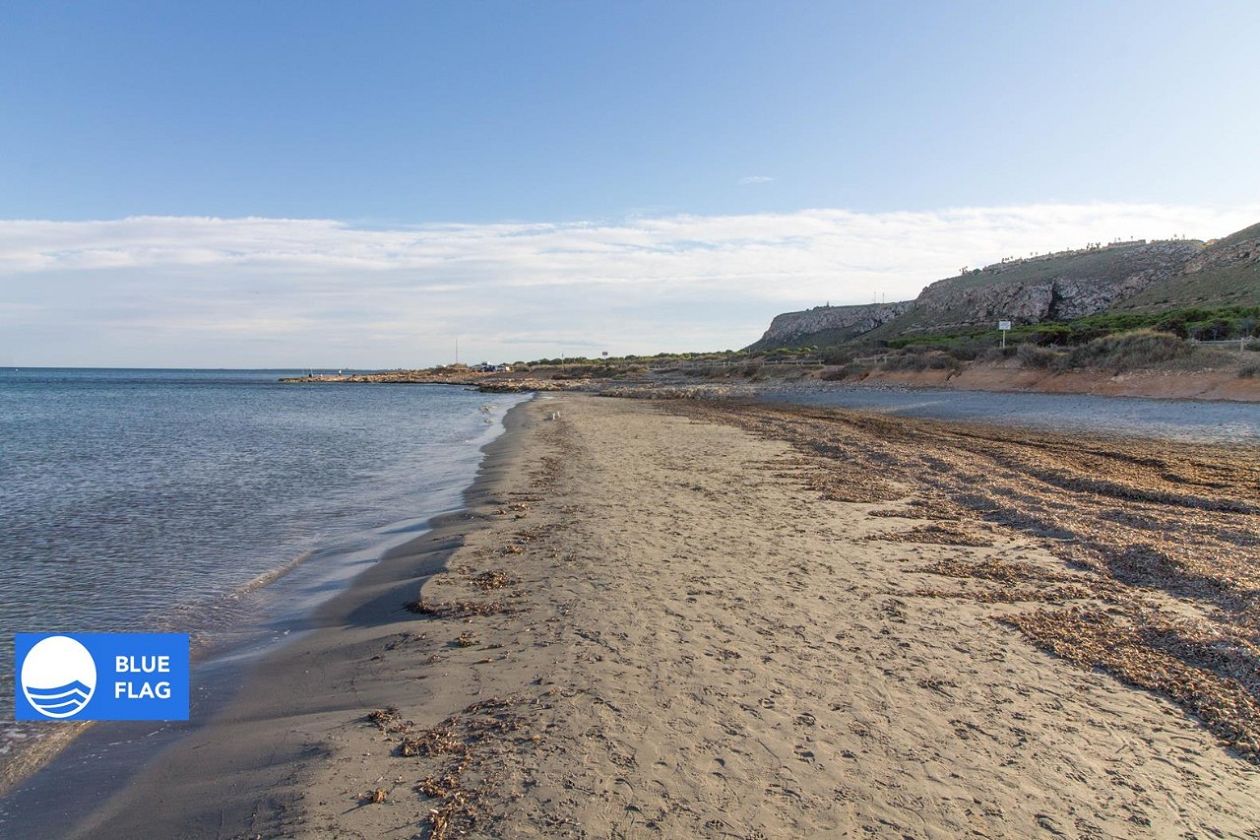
{"x":316,"y":184}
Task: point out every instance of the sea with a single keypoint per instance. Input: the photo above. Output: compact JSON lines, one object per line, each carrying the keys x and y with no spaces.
{"x":220,"y":503}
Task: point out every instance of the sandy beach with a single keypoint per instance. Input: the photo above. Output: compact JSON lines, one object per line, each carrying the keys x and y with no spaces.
{"x":676,"y":619}
{"x":629,"y":421}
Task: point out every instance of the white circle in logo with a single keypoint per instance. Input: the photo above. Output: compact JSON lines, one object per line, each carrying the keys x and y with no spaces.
{"x":58,"y":677}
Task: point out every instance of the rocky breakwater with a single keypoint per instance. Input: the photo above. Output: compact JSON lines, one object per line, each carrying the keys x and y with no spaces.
{"x":487,"y":382}
{"x":520,"y":386}
{"x":406,"y":377}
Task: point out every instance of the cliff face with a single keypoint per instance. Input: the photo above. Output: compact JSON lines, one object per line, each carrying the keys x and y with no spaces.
{"x":1225,"y":273}
{"x":1055,"y":287}
{"x":1240,"y":252}
{"x":1031,"y":291}
{"x":837,"y":323}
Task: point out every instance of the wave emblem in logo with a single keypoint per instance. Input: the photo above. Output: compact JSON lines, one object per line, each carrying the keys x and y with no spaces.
{"x":58,"y":677}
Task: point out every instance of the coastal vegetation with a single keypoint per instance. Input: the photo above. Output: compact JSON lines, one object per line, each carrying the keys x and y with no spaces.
{"x":1173,"y":306}
{"x":1213,"y":324}
{"x":1113,"y":353}
{"x":1194,"y":290}
{"x":1181,"y":339}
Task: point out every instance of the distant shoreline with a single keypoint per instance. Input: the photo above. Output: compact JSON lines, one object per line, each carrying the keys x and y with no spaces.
{"x":1203,"y":385}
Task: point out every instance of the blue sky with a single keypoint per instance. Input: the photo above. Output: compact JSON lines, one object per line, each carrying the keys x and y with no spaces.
{"x":398,"y":117}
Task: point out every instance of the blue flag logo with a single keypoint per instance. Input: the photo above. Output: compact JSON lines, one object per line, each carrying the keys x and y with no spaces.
{"x":101,"y":676}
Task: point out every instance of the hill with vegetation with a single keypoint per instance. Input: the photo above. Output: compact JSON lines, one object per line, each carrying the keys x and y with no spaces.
{"x":1226,"y":273}
{"x":828,"y":325}
{"x":1186,"y":287}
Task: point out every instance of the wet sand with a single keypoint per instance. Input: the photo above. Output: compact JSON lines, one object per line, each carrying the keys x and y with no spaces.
{"x":701,"y":620}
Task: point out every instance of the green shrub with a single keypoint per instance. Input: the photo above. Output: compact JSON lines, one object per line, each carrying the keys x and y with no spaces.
{"x":1174,"y":325}
{"x":920,"y":359}
{"x":1215,"y":322}
{"x":1032,"y":356}
{"x":1213,"y":330}
{"x":996,"y":354}
{"x":969,"y":349}
{"x":853,"y":370}
{"x":1046,"y":335}
{"x":1251,"y":370}
{"x":941,"y":361}
{"x":902,"y":361}
{"x":1128,"y":351}
{"x":837,"y":356}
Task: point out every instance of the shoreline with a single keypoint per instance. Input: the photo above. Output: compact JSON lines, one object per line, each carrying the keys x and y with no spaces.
{"x":696,"y":619}
{"x":26,"y":791}
{"x":237,"y":547}
{"x":1207,"y":385}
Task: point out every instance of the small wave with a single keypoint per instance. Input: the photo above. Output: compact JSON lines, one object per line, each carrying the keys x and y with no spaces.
{"x":75,"y":687}
{"x":61,"y":701}
{"x":65,"y":709}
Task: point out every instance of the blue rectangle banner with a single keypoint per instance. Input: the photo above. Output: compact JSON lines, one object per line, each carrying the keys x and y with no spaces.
{"x":101,"y":676}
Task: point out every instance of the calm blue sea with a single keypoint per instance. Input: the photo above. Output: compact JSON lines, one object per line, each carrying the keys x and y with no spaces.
{"x":165,"y":499}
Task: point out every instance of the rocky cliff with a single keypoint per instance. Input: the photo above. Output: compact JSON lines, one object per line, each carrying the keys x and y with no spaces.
{"x":1060,"y":289}
{"x":1225,"y":273}
{"x":1053,"y":287}
{"x":1240,"y":249}
{"x":828,"y":324}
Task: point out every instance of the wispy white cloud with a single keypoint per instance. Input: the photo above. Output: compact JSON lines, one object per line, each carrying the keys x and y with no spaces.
{"x":755,"y":179}
{"x":254,"y":291}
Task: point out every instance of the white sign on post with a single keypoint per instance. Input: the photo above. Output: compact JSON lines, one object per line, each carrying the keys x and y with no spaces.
{"x":1005,"y":327}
